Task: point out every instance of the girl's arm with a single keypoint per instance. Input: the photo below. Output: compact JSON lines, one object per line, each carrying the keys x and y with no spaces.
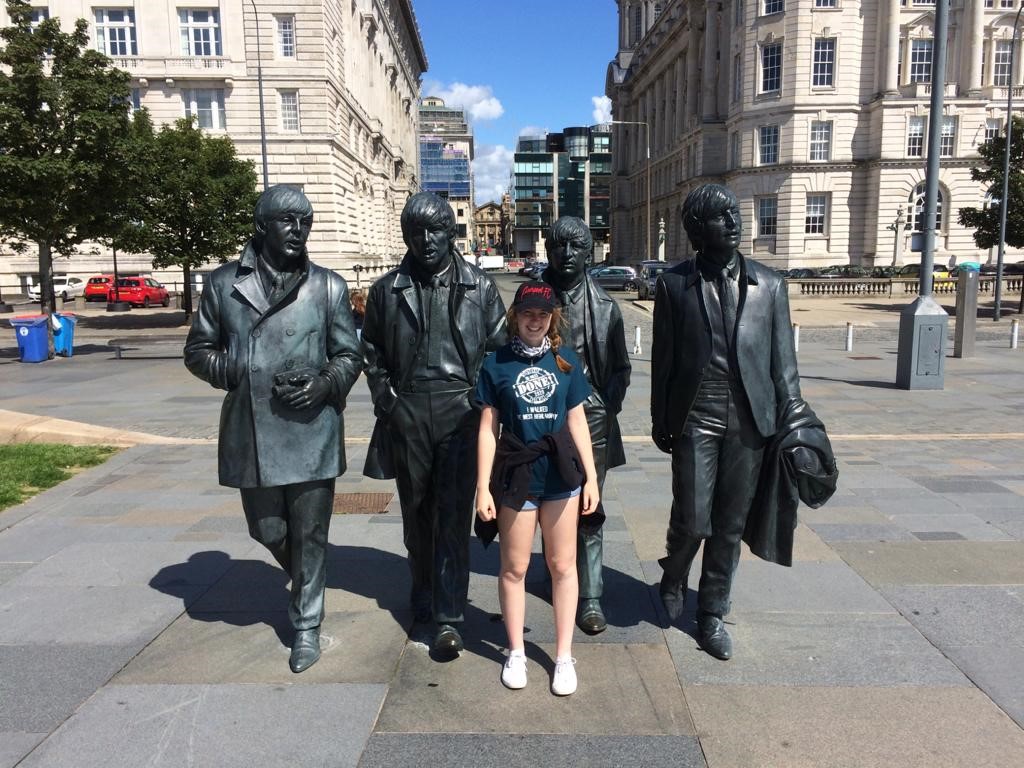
{"x":580,"y":431}
{"x":486,"y":444}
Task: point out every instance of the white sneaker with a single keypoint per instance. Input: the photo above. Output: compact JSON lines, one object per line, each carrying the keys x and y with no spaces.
{"x":563,"y":682}
{"x":513,"y":674}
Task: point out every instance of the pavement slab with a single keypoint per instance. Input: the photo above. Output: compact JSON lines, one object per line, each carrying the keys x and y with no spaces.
{"x":806,"y":727}
{"x":936,"y":562}
{"x":228,"y":726}
{"x":387,"y":750}
{"x":14,"y":745}
{"x":253,"y":648}
{"x":998,"y":670}
{"x":974,"y":615}
{"x":969,"y":526}
{"x":466,"y":695}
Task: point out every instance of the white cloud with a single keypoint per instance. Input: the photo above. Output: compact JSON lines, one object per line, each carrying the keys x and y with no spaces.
{"x":532,"y":130}
{"x":491,"y":168}
{"x":602,"y":109}
{"x":479,"y":101}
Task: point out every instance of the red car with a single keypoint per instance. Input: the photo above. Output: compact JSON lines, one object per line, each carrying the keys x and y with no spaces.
{"x":140,"y":292}
{"x":98,"y":287}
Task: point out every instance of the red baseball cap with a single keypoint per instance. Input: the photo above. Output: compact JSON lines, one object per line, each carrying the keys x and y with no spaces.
{"x":535,"y":295}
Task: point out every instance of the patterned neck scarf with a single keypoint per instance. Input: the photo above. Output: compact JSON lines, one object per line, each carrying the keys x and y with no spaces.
{"x":520,"y":348}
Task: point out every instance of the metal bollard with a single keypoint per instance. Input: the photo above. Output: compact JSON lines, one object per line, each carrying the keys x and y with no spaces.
{"x":796,"y":337}
{"x":1014,"y":333}
{"x":637,"y":349}
{"x":849,"y":337}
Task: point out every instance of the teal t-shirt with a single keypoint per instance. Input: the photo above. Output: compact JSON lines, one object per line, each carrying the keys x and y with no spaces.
{"x":533,"y":398}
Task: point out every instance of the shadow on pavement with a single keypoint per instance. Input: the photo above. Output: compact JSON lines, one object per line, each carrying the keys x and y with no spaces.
{"x":864,"y":383}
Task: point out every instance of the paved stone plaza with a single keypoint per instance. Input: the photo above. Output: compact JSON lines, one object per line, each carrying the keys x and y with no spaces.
{"x":139,"y":624}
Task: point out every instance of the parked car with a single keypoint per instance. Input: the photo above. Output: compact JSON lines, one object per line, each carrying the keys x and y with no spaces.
{"x":616,"y":278}
{"x":97,"y":287}
{"x":649,"y":272}
{"x":1009,"y":268}
{"x":914,"y":270}
{"x":885,"y":271}
{"x":535,"y":270}
{"x":140,"y":292}
{"x":844,"y":271}
{"x":64,"y":288}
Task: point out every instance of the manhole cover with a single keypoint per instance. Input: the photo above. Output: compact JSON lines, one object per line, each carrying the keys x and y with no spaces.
{"x":361,"y":503}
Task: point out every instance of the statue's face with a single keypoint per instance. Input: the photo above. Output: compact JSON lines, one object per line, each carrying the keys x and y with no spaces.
{"x":720,"y":235}
{"x":286,"y":235}
{"x":431,"y":247}
{"x":568,"y":260}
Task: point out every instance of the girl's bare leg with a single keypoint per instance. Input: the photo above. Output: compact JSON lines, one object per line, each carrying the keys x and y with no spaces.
{"x":516,"y":529}
{"x":558,"y":523}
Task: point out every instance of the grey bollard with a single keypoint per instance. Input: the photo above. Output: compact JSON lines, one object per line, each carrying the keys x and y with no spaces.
{"x":966,"y":313}
{"x":637,"y":349}
{"x":1014,"y":333}
{"x":849,"y":337}
{"x":796,"y":337}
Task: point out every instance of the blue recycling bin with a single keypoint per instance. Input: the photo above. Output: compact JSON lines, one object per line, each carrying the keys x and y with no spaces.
{"x":64,"y":337}
{"x":30,"y":331}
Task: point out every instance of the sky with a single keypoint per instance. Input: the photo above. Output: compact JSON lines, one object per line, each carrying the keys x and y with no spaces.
{"x":526,"y":66}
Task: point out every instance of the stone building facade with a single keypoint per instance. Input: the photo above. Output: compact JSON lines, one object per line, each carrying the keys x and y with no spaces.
{"x":490,"y":226}
{"x":341,"y":82}
{"x":815,"y":113}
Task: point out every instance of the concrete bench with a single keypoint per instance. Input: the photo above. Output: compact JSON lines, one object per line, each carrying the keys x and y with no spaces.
{"x":145,"y":346}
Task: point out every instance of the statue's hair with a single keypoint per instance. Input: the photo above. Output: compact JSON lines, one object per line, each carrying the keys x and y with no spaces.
{"x":701,"y":204}
{"x":426,"y":208}
{"x":278,"y":199}
{"x":567,"y":229}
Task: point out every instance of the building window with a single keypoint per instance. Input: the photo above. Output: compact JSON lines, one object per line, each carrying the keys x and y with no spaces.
{"x":774,"y":6}
{"x":115,"y":31}
{"x":285,"y":36}
{"x":657,"y":11}
{"x":999,"y":3}
{"x":917,"y":217}
{"x":1001,"y":63}
{"x":920,"y":61}
{"x":207,"y":106}
{"x":734,"y":149}
{"x":821,"y":140}
{"x":768,"y":144}
{"x":767,"y":216}
{"x":39,"y":15}
{"x":947,"y":141}
{"x":816,"y":214}
{"x":289,"y":110}
{"x":824,"y":62}
{"x":738,"y":18}
{"x":826,"y":3}
{"x":771,"y":68}
{"x":737,"y":77}
{"x":200,"y":31}
{"x":635,"y":24}
{"x":915,"y":137}
{"x":993,"y":128}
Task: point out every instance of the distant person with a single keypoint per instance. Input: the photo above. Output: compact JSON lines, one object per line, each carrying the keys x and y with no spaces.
{"x":428,"y":324}
{"x":540,"y":469}
{"x":725,"y":393}
{"x":594,"y":331}
{"x":275,"y":331}
{"x":358,"y":299}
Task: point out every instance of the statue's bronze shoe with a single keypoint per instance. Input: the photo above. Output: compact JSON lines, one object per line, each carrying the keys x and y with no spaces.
{"x":305,"y":649}
{"x":448,"y":642}
{"x":591,"y":618}
{"x":673,"y":596}
{"x":714,"y":637}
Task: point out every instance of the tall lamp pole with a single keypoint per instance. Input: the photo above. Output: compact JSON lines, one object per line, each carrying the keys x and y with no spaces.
{"x":1006,"y":173}
{"x":259,"y":81}
{"x":647,"y":141}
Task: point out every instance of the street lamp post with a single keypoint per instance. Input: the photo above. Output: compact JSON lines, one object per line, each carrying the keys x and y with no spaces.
{"x":259,"y":81}
{"x":647,"y":141}
{"x":1004,"y":201}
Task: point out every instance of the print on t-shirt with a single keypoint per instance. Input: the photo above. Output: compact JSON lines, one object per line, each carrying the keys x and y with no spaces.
{"x":535,"y":387}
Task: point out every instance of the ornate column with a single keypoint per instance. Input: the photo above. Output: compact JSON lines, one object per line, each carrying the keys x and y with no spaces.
{"x":708,"y":86}
{"x":691,"y":72}
{"x":890,"y":81}
{"x":971,"y":45}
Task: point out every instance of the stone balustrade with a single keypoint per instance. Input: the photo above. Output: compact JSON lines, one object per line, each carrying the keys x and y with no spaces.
{"x":878,"y":286}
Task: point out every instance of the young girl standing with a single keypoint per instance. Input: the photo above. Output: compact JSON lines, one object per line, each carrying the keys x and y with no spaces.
{"x":534,"y":390}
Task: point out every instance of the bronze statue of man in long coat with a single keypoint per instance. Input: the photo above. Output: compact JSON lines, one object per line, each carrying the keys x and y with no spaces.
{"x":275,"y":331}
{"x":427,"y":326}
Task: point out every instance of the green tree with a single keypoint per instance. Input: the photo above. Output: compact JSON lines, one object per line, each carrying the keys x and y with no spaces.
{"x":64,"y":119}
{"x":985,"y":221}
{"x":199,"y":201}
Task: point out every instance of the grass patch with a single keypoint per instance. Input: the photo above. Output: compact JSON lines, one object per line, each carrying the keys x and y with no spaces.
{"x":29,"y":468}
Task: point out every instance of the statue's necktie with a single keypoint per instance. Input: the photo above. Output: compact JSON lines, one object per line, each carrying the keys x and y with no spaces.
{"x":436,"y":317}
{"x":727,"y":298}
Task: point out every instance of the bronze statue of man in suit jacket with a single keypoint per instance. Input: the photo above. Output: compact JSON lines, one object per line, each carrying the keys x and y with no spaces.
{"x":723,"y":368}
{"x":427,"y":326}
{"x":595,"y":331}
{"x":276,"y":332}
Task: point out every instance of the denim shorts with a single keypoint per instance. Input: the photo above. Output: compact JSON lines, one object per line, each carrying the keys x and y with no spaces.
{"x":534,"y":502}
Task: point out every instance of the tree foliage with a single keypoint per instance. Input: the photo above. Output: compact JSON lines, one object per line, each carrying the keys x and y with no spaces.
{"x":985,"y":221}
{"x":64,"y":121}
{"x":199,"y":200}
